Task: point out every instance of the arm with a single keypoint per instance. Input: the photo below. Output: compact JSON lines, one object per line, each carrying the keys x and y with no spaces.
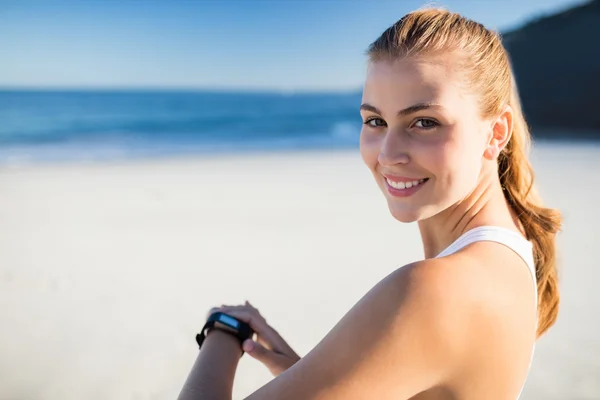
{"x":406,"y":335}
{"x":212,"y":375}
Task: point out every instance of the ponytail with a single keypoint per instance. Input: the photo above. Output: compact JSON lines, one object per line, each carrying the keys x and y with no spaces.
{"x":540,"y":224}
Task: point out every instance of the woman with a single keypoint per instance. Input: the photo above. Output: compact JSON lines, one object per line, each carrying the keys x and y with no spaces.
{"x":446,"y":141}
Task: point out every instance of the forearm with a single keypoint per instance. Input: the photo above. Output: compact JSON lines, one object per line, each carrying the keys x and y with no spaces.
{"x":211,"y":377}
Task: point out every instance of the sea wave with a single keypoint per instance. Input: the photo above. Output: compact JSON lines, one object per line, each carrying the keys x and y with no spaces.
{"x":96,"y":125}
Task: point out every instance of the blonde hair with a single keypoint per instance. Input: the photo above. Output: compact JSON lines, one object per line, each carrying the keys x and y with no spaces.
{"x":486,"y":68}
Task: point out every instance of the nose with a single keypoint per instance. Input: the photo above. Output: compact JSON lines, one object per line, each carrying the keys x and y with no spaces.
{"x":394,"y":150}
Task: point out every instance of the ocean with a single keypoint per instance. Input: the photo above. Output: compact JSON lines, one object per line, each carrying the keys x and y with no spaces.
{"x":107,"y":125}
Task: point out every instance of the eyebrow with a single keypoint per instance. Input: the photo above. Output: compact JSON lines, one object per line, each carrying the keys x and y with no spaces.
{"x":407,"y":111}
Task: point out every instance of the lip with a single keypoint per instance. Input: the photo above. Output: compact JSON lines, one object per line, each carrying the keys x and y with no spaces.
{"x":403,"y":192}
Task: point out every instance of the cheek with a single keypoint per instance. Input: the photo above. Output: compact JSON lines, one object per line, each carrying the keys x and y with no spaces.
{"x":369,"y":149}
{"x":461,"y":161}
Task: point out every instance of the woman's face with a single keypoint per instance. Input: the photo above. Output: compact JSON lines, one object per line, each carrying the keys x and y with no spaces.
{"x":422,"y":136}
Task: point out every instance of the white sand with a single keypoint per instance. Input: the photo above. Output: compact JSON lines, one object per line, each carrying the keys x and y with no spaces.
{"x":106,"y":271}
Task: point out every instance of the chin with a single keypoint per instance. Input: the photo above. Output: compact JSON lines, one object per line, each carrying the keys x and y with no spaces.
{"x":405,"y":215}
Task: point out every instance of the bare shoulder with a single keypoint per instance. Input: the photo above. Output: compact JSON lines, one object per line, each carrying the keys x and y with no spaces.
{"x":497,"y":279}
{"x":486,"y":275}
{"x":468,"y":298}
{"x":411,"y":332}
{"x":498,"y":291}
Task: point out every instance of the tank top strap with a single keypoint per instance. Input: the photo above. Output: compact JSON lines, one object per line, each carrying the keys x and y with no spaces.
{"x":510,"y":239}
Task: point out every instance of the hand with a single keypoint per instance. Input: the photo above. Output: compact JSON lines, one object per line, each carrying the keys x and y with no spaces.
{"x":269,"y":347}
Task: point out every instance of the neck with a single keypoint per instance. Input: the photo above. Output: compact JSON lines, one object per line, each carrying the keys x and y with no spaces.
{"x":485,"y":205}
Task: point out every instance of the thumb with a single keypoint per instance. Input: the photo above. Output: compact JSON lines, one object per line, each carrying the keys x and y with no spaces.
{"x":273,"y":361}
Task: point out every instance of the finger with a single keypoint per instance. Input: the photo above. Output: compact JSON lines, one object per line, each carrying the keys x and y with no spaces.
{"x":246,"y":305}
{"x":276,"y":336}
{"x":252,"y":306}
{"x":236,"y":307}
{"x":269,"y":336}
{"x":233,"y":310}
{"x":222,"y":308}
{"x":226,"y":309}
{"x":245,"y":308}
{"x":212,"y":311}
{"x":275,"y":362}
{"x":266,"y":334}
{"x":241,"y":312}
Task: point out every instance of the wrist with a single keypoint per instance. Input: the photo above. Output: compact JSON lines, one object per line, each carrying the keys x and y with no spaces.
{"x":224,"y":342}
{"x":214,"y":370}
{"x":227,"y":324}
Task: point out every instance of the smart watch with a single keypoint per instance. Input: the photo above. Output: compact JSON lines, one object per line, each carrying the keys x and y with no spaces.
{"x":225,"y":323}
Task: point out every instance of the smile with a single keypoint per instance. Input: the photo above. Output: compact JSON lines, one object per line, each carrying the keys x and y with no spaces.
{"x":404,"y":185}
{"x":404,"y":188}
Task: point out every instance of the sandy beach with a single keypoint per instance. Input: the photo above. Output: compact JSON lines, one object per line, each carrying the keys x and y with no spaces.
{"x":107,"y":269}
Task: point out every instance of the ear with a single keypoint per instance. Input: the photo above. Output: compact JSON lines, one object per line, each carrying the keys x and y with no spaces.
{"x":501,"y":131}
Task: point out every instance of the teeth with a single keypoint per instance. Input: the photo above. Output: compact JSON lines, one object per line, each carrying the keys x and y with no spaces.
{"x":404,"y":185}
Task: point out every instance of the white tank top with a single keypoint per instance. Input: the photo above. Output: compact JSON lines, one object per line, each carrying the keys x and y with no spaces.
{"x":510,"y":239}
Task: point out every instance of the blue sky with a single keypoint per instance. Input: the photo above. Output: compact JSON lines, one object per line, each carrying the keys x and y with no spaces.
{"x":228,"y":44}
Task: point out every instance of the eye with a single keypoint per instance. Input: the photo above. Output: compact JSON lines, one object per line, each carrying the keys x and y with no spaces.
{"x":426,"y":123}
{"x":375,"y":122}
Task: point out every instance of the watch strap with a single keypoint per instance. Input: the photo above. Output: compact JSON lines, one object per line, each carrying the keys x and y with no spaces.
{"x":242,"y":331}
